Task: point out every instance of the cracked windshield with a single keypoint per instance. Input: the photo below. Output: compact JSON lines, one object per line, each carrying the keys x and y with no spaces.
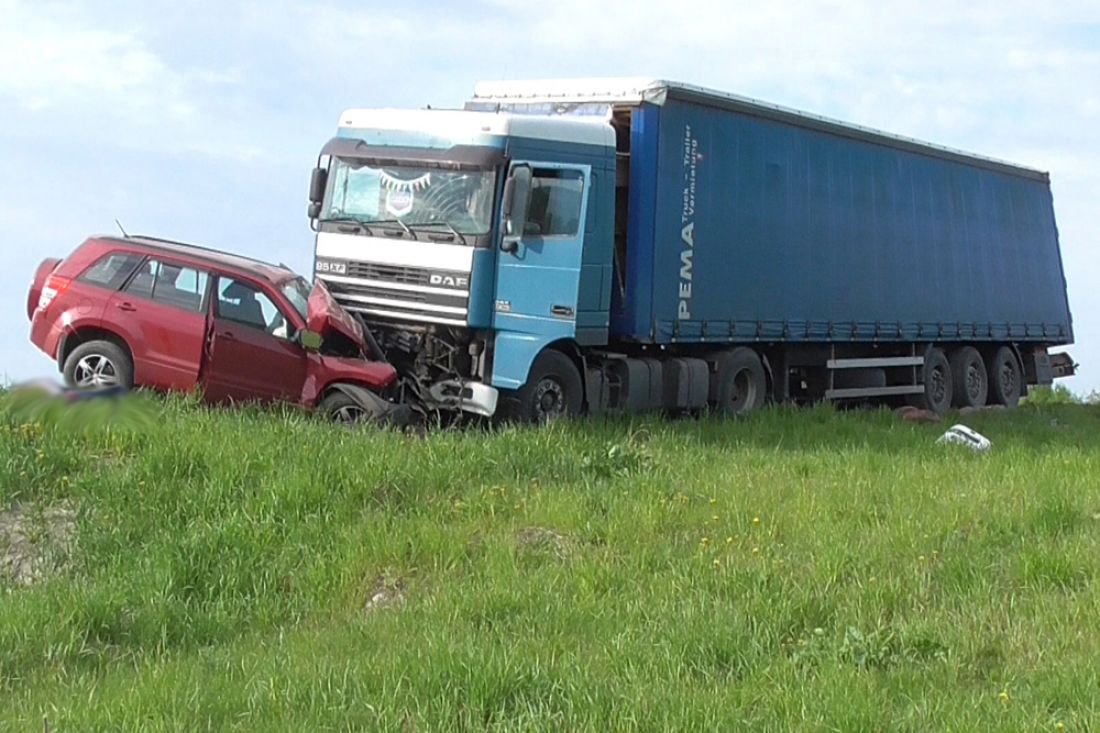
{"x":411,"y":195}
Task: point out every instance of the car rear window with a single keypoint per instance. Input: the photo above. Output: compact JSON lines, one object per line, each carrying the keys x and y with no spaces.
{"x":112,"y":269}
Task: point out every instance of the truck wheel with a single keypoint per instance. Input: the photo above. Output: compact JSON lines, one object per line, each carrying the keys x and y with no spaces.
{"x":740,"y":382}
{"x":552,"y":392}
{"x":938,"y":391}
{"x":1005,"y":379}
{"x":970,"y":381}
{"x":97,"y":365}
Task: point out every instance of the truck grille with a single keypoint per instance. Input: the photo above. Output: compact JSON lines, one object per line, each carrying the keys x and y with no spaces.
{"x":414,"y":301}
{"x":390,"y":273}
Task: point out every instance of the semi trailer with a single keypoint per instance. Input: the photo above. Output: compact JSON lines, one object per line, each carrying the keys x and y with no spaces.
{"x":568,"y":246}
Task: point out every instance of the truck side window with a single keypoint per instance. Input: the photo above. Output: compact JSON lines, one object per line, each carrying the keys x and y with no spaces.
{"x":179,"y":286}
{"x":555,"y":202}
{"x":242,"y":302}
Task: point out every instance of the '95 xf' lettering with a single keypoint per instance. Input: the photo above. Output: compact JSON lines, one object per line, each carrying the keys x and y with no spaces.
{"x":331,"y":267}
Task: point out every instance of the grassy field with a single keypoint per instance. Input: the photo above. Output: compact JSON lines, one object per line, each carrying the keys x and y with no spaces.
{"x":797,"y":570}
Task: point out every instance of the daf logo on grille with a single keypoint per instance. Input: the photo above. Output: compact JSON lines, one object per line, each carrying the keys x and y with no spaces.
{"x":449,"y":281}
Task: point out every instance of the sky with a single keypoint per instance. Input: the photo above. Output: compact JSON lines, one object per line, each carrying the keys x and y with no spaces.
{"x":201,"y":120}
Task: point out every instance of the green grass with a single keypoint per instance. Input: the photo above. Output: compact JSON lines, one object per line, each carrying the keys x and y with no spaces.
{"x":796,"y":570}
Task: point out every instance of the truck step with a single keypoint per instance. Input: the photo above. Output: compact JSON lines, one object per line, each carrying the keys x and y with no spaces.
{"x":849,"y":393}
{"x":873,"y":362}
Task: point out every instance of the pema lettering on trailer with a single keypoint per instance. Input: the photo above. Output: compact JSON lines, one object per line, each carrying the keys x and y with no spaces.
{"x":687,"y":221}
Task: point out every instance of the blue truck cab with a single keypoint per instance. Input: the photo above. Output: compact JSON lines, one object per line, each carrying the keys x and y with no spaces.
{"x":628,"y":245}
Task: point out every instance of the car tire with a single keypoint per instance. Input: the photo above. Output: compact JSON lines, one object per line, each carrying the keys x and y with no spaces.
{"x":937,"y":381}
{"x":99,"y":364}
{"x":970,"y":379}
{"x":740,"y":384}
{"x":1005,"y":378}
{"x":340,"y":408}
{"x":553,"y":391}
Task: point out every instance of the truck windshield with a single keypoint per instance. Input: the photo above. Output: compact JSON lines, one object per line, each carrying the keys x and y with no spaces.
{"x":414,"y":196}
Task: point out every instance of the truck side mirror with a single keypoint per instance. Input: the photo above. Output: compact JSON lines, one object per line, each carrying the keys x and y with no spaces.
{"x":517,"y":200}
{"x":317,"y":181}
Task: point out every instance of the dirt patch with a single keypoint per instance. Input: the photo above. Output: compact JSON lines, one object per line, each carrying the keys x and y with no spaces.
{"x":540,"y":540}
{"x":385,"y":592}
{"x":915,"y":414}
{"x":35,"y":542}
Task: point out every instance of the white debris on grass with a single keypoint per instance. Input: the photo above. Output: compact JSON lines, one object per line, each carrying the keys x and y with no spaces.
{"x":962,"y":435}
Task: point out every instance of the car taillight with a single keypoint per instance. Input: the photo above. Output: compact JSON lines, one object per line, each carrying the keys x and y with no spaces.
{"x":54,"y":287}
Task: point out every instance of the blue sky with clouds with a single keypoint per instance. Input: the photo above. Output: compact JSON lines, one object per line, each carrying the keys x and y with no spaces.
{"x":201,"y":120}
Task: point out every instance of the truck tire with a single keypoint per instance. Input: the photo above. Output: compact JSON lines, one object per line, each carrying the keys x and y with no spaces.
{"x":938,"y":391}
{"x":970,"y":380}
{"x":98,"y":365}
{"x":552,"y":392}
{"x":740,"y":385}
{"x":1005,"y":378}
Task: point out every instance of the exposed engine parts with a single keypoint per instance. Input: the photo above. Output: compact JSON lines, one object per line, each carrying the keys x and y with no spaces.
{"x":435,"y":364}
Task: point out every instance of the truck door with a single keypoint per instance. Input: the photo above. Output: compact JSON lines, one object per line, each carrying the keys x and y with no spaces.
{"x":537,"y":281}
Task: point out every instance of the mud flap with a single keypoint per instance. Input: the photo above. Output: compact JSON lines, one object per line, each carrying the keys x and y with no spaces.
{"x":381,"y":411}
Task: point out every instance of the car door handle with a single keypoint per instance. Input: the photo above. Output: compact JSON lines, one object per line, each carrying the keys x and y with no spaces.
{"x":124,"y":306}
{"x":228,"y":335}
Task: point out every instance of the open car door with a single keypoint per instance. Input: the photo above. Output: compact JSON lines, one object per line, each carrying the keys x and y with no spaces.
{"x":251,"y":350}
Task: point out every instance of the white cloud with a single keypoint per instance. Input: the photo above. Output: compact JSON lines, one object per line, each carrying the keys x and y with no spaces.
{"x":68,"y":74}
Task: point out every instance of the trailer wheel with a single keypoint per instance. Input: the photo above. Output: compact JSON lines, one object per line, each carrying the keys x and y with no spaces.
{"x":740,"y":384}
{"x":938,"y":391}
{"x":1005,"y":378}
{"x":552,"y":392}
{"x":969,"y":377}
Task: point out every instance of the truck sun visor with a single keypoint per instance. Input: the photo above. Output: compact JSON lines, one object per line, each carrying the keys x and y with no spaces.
{"x":474,"y":156}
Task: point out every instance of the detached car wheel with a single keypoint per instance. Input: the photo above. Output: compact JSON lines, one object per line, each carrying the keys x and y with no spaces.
{"x":99,"y":365}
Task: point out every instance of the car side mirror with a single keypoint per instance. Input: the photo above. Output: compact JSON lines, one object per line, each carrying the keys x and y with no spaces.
{"x":310,"y":340}
{"x":517,"y":201}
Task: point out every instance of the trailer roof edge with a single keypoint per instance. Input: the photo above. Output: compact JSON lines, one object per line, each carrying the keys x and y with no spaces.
{"x":635,"y":91}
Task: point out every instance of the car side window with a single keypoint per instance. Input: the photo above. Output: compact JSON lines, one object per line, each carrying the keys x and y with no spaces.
{"x":176,"y":285}
{"x":112,"y":269}
{"x":555,"y":202}
{"x":242,"y":302}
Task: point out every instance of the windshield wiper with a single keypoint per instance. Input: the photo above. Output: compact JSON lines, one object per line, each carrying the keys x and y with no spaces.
{"x":347,"y":220}
{"x":398,"y":222}
{"x":457,"y":234}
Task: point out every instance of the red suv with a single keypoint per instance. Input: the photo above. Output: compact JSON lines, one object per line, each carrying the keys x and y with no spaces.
{"x":125,"y":311}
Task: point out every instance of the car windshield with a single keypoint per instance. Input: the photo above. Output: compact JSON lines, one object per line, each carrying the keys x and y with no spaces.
{"x":461,"y":200}
{"x":297,"y":292}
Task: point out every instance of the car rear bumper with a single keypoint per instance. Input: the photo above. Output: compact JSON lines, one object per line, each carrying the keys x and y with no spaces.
{"x":46,"y":334}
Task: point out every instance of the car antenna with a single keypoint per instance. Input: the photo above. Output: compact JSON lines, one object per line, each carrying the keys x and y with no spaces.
{"x":121,"y":229}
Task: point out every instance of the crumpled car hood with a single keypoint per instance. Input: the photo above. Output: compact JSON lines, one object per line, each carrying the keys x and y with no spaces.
{"x":325,"y":316}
